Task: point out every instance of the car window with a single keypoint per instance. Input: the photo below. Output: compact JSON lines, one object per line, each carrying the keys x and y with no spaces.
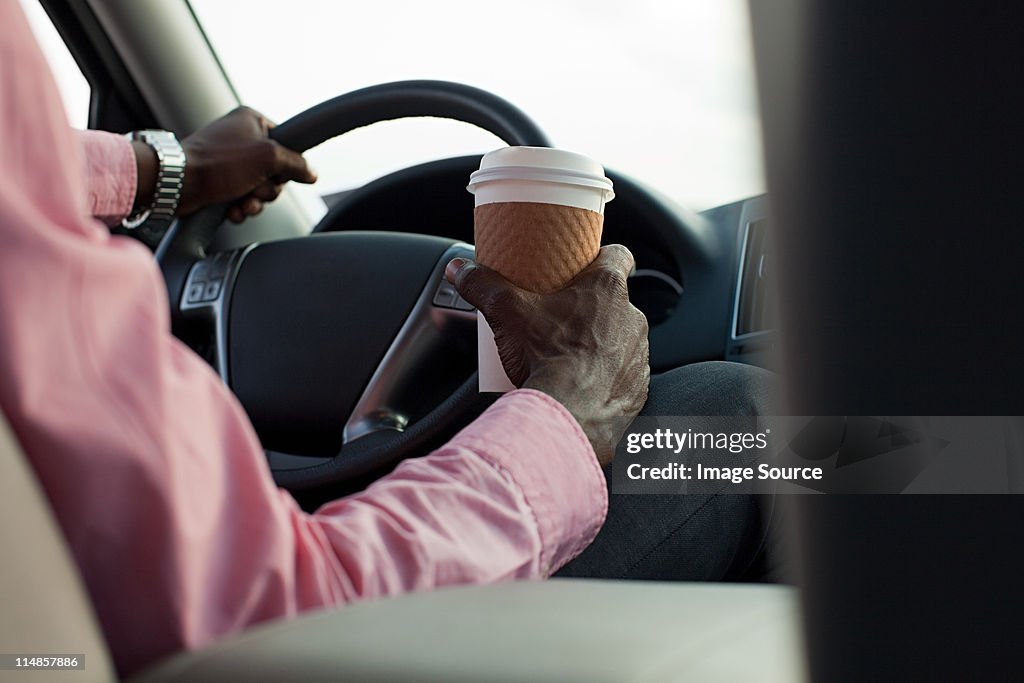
{"x":662,"y":91}
{"x":74,"y":89}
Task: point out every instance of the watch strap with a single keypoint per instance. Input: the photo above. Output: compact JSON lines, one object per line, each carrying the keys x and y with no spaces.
{"x":170,"y":178}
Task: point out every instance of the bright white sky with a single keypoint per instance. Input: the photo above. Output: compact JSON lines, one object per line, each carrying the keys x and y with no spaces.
{"x":660,"y":90}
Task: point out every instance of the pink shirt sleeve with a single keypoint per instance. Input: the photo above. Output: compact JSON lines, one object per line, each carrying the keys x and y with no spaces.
{"x":154,"y":471}
{"x":111,"y":174}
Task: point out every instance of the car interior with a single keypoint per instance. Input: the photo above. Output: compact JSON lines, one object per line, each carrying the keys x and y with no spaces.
{"x":793,"y":281}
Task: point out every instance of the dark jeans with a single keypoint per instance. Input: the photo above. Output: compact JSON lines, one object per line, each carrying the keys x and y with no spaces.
{"x":689,"y":537}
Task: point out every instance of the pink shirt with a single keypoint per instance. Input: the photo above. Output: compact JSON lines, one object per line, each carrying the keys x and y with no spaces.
{"x":153,"y":469}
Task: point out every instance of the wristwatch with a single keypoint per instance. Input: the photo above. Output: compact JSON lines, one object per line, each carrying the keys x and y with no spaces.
{"x":170,"y":176}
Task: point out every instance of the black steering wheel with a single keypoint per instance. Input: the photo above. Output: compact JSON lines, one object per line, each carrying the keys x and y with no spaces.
{"x":348,"y":350}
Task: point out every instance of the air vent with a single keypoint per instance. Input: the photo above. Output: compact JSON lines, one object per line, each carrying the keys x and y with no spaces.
{"x":753,"y":308}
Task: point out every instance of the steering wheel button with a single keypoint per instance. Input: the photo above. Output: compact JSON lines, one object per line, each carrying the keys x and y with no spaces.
{"x":462,"y":305}
{"x":195,"y":293}
{"x":445,"y":296}
{"x":212,"y":290}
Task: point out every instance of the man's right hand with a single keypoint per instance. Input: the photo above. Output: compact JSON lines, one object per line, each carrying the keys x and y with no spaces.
{"x":584,"y":345}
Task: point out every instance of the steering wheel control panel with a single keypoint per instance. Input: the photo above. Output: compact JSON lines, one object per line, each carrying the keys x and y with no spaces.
{"x":206,"y":289}
{"x":447,"y":297}
{"x":206,"y":280}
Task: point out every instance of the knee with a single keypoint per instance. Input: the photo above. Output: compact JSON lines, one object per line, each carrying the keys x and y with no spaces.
{"x":712,"y":388}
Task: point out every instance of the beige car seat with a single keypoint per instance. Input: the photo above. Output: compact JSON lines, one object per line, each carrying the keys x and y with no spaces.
{"x":43,"y":606}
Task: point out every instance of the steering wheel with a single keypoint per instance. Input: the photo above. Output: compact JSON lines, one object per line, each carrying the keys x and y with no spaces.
{"x":348,"y":350}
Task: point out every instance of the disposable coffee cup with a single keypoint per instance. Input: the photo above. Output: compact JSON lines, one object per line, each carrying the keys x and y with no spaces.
{"x":538,"y":219}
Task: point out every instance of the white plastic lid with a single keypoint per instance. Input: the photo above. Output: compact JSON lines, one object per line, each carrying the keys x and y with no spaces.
{"x":541,"y":174}
{"x":542,"y":157}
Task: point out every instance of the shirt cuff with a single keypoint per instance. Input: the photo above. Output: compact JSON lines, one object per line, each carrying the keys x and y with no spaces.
{"x":111,"y":173}
{"x":541,"y":447}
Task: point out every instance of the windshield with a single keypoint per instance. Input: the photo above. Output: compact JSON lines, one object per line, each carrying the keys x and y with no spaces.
{"x":660,"y":91}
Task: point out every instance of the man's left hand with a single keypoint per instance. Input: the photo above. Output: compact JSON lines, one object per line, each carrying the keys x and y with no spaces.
{"x":232,"y":160}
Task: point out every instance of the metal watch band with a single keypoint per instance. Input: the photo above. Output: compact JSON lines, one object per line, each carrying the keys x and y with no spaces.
{"x":170,"y":177}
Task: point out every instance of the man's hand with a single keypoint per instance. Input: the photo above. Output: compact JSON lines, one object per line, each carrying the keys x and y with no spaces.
{"x":230,"y":160}
{"x":584,"y":345}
